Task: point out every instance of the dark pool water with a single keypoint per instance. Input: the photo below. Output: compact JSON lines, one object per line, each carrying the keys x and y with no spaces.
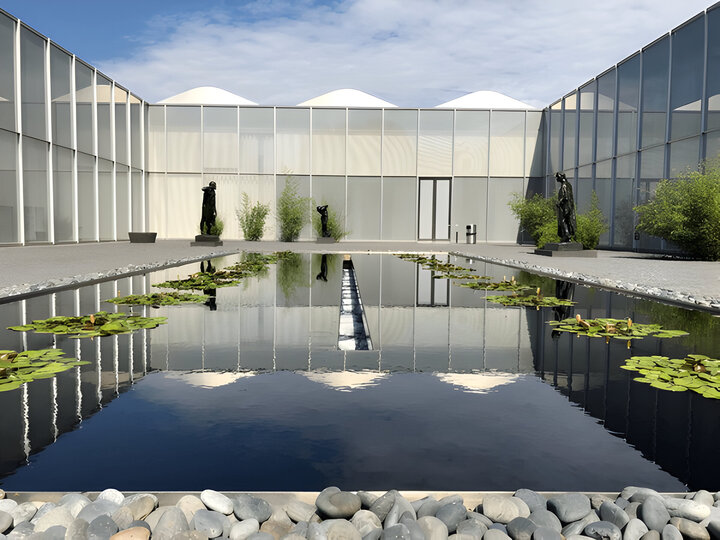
{"x":254,"y":395}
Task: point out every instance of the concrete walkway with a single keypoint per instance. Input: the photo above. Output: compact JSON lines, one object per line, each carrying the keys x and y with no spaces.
{"x":32,"y":269}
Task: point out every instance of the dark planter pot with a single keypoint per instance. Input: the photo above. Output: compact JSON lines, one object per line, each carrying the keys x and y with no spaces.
{"x":142,"y":237}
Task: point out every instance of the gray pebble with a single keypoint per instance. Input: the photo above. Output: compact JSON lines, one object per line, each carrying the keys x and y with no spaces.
{"x":577,"y":527}
{"x":609,"y":511}
{"x":534,"y":500}
{"x":632,"y":509}
{"x":246,"y":507}
{"x":451,"y":515}
{"x":74,"y":502}
{"x":140,"y":523}
{"x":375,"y":534}
{"x":56,"y":532}
{"x":597,"y":500}
{"x":257,"y":536}
{"x":299,"y":511}
{"x":704,"y":497}
{"x":621,"y":502}
{"x":495,"y":534}
{"x":603,"y":530}
{"x":433,"y":528}
{"x":367,"y":498}
{"x":637,"y":494}
{"x":400,"y":508}
{"x":651,"y":535}
{"x":365,"y":521}
{"x":569,"y":507}
{"x":171,"y":522}
{"x":23,"y":530}
{"x":383,"y":504}
{"x":472,"y":527}
{"x":634,"y":530}
{"x":690,"y":529}
{"x":482,"y":518}
{"x":429,"y":508}
{"x":396,"y":532}
{"x":244,"y":529}
{"x":521,"y":528}
{"x":502,"y":509}
{"x":7,"y":505}
{"x":545,"y":533}
{"x":208,"y":521}
{"x":101,"y":528}
{"x":419,"y":502}
{"x":23,"y":512}
{"x":140,"y":505}
{"x":102,"y":507}
{"x":111,"y":494}
{"x":6,"y":521}
{"x":122,"y":517}
{"x":713,"y":527}
{"x":545,"y":518}
{"x":416,"y":532}
{"x":684,"y":508}
{"x":217,"y":501}
{"x":498,"y":527}
{"x":78,"y":530}
{"x":44,"y":509}
{"x":670,"y":532}
{"x":58,"y":515}
{"x":654,"y":513}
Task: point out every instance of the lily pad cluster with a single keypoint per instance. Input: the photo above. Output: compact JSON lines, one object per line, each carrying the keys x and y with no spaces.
{"x":18,"y":368}
{"x":253,"y":265}
{"x":442,"y":270}
{"x":624,"y":329}
{"x":533,"y":300}
{"x":159,"y":299}
{"x":696,"y":372}
{"x":98,"y":324}
{"x":504,"y":285}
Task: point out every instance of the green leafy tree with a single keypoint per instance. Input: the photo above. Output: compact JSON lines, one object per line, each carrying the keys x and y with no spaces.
{"x":335,"y":223}
{"x":252,"y":218}
{"x":686,"y":212}
{"x":293,"y":211}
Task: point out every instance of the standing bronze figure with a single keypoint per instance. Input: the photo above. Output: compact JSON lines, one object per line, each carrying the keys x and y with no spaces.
{"x":209,"y":213}
{"x":565,"y":209}
{"x":323,"y":211}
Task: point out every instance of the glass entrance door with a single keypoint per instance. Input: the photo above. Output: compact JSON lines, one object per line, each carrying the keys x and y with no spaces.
{"x":434,"y":209}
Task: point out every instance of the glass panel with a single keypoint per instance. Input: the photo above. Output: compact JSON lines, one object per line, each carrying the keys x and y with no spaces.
{"x":257,"y":152}
{"x":587,"y":112}
{"x":84,"y":108}
{"x":184,"y":205}
{"x":603,"y":188}
{"x":87,"y":201}
{"x":502,"y":226}
{"x":398,"y":224}
{"x":135,"y":132}
{"x":137,"y":201}
{"x":687,"y":78}
{"x":442,"y":209}
{"x":8,"y":187}
{"x":32,"y":77}
{"x":435,"y":142}
{"x":554,"y":164}
{"x":35,"y":190}
{"x":122,"y":200}
{"x":63,"y":201}
{"x":220,"y":139}
{"x":61,"y":106}
{"x":471,"y":142}
{"x":427,"y":193}
{"x":684,"y":156}
{"x":328,"y":141}
{"x":293,"y":141}
{"x":157,"y":196}
{"x":121,"y":127}
{"x":330,"y":190}
{"x":569,"y":136}
{"x":303,"y":185}
{"x":583,"y":189}
{"x":363,"y":204}
{"x":155,"y":144}
{"x":628,"y":95}
{"x":7,"y":73}
{"x":400,"y":143}
{"x":534,"y":143}
{"x":507,"y":133}
{"x":712,"y":145}
{"x":654,"y":92}
{"x":623,"y":219}
{"x":606,"y":111}
{"x":262,"y":188}
{"x":104,"y":96}
{"x":364,"y":142}
{"x":469,"y":206}
{"x":106,"y":200}
{"x":651,"y":171}
{"x":183,"y":139}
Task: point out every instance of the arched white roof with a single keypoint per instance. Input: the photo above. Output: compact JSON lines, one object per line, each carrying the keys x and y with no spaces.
{"x":207,"y":95}
{"x":477,"y":383}
{"x":345,"y":381}
{"x":484,"y":99}
{"x":346,"y":97}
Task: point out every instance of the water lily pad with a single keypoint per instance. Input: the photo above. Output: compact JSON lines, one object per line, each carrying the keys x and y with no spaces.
{"x":159,"y":299}
{"x":536,"y":301}
{"x":623,"y":329}
{"x":678,"y":375}
{"x":97,"y":324}
{"x":18,"y":368}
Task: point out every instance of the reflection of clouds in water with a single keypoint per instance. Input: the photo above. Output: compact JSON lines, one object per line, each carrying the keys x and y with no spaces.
{"x":477,"y":383}
{"x":208,"y":379}
{"x":345,"y":381}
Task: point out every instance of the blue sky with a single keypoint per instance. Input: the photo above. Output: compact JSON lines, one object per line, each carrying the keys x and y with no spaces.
{"x":414,"y":53}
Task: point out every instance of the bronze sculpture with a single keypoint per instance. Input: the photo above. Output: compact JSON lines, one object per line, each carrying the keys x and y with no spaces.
{"x":322,"y":210}
{"x":209,"y":213}
{"x":565,"y":209}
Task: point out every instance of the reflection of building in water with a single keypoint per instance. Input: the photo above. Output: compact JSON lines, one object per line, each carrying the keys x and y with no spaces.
{"x":477,"y":383}
{"x":345,"y":381}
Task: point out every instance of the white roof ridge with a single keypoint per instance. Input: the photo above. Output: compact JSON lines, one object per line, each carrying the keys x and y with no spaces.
{"x":346,"y":97}
{"x":484,"y":99}
{"x":206,"y":95}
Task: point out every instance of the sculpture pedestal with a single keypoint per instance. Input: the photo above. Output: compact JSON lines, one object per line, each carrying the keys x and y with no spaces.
{"x":565,"y":249}
{"x":325,"y":240}
{"x":142,"y":237}
{"x":207,"y":240}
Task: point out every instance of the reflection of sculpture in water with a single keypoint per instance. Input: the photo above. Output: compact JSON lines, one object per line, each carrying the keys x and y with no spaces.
{"x":323,"y":211}
{"x":564,"y":290}
{"x":323,"y":268}
{"x":208,"y":208}
{"x":565,"y":209}
{"x":212,"y":293}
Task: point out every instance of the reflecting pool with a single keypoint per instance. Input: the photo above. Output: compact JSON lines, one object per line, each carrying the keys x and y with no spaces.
{"x":262,"y":388}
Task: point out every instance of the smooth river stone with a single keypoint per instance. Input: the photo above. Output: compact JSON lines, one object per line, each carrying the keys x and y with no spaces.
{"x":382,"y":506}
{"x":482,"y":518}
{"x":416,"y":532}
{"x":634,"y":530}
{"x":521,"y":528}
{"x":713,"y":527}
{"x":367,"y":499}
{"x":111,"y":494}
{"x":596,"y":501}
{"x":428,"y":508}
{"x":433,"y":528}
{"x":140,"y":505}
{"x":43,"y":509}
{"x":154,"y":517}
{"x":335,"y":504}
{"x":259,"y":536}
{"x":577,"y":537}
{"x":300,"y":511}
{"x":23,"y":512}
{"x":569,"y":507}
{"x":6,"y":521}
{"x":684,"y":508}
{"x":654,"y":513}
{"x":622,"y":503}
{"x":632,"y":509}
{"x":55,"y":516}
{"x":278,"y":525}
{"x":670,"y":532}
{"x":56,"y":532}
{"x":577,"y":527}
{"x":640,"y":493}
{"x":472,"y":527}
{"x":502,"y":509}
{"x":546,"y":533}
{"x":246,"y":507}
{"x":396,"y":532}
{"x":609,"y":511}
{"x":24,"y":530}
{"x":78,"y":529}
{"x":102,"y":528}
{"x":134,"y":533}
{"x":74,"y":502}
{"x":244,"y":529}
{"x":401,"y":506}
{"x":651,"y":535}
{"x":101,"y":507}
{"x":171,"y":523}
{"x":534,"y":500}
{"x":545,"y":518}
{"x":495,"y":534}
{"x":209,"y":522}
{"x":690,"y":530}
{"x":451,"y":515}
{"x":603,"y":530}
{"x":189,"y":504}
{"x":704,"y":497}
{"x":365,"y":521}
{"x":340,"y":529}
{"x":217,"y":501}
{"x":7,"y":505}
{"x":122,"y":517}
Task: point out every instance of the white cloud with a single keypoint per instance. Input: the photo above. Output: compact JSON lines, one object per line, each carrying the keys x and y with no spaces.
{"x":412,"y":53}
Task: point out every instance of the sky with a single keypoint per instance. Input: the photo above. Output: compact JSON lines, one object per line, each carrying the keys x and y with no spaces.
{"x":413,"y":53}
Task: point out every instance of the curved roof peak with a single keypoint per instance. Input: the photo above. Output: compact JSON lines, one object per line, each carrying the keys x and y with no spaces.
{"x":346,"y":97}
{"x":484,"y":99}
{"x":206,"y":95}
